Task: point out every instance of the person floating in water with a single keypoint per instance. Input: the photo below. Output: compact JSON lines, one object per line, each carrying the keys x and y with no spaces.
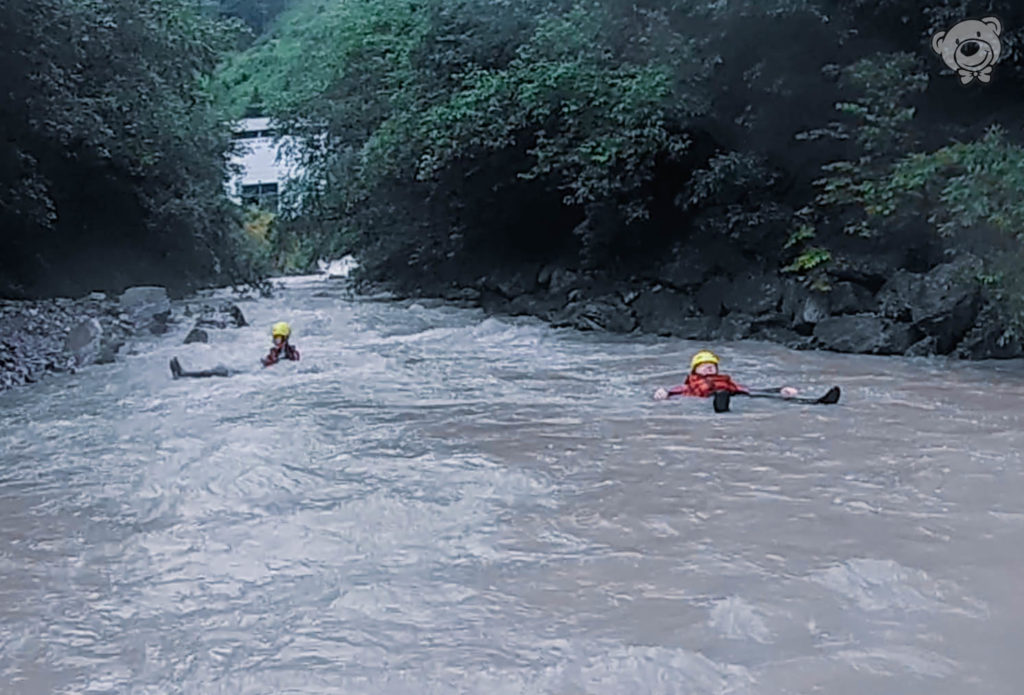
{"x":704,"y":380}
{"x":281,"y":349}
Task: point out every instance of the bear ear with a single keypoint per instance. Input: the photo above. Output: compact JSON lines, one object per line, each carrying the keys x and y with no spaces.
{"x":937,"y":41}
{"x":994,"y":23}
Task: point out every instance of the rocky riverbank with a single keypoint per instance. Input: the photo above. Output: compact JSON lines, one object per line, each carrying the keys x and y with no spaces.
{"x":39,"y":337}
{"x":873,"y":304}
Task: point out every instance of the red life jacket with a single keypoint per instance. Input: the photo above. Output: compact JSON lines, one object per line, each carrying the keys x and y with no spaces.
{"x":704,"y":386}
{"x":290,"y":353}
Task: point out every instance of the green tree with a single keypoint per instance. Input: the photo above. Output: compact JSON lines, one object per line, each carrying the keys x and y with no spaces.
{"x":114,"y":156}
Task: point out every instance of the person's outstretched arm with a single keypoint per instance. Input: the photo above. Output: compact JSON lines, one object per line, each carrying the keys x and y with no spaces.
{"x":785,"y":391}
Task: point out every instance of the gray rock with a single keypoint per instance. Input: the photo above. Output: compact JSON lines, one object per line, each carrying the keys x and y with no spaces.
{"x":948,"y":302}
{"x":896,"y":295}
{"x":924,"y":347}
{"x":987,"y":340}
{"x":146,"y":308}
{"x":511,"y":284}
{"x":815,"y":309}
{"x":755,"y":294}
{"x":782,"y":336}
{"x":462,"y":294}
{"x":600,"y":314}
{"x":793,"y":296}
{"x":851,"y":298}
{"x":562,"y":280}
{"x":943,"y":302}
{"x":659,"y":311}
{"x":84,"y":341}
{"x":544,"y":274}
{"x":684,"y":271}
{"x":864,"y":333}
{"x":158,"y":324}
{"x":108,"y":350}
{"x":696,"y":327}
{"x":735,"y":326}
{"x":237,"y":316}
{"x":532,"y":305}
{"x":868,"y":268}
{"x":97,"y":296}
{"x":145,"y":301}
{"x":712,"y":295}
{"x":197,"y":335}
{"x":220,"y":316}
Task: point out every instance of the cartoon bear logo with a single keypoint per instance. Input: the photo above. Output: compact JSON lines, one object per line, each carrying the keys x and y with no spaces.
{"x":971,"y":48}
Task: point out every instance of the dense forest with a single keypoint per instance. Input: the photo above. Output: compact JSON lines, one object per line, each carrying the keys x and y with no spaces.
{"x":491,"y":146}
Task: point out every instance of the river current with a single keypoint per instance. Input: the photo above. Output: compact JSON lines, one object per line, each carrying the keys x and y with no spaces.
{"x":433,"y":501}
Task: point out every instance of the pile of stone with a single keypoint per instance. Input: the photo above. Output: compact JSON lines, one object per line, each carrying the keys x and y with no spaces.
{"x":869,"y":307}
{"x":62,"y":335}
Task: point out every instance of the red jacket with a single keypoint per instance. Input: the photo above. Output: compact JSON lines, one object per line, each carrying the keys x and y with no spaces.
{"x":290,"y":353}
{"x":704,"y":386}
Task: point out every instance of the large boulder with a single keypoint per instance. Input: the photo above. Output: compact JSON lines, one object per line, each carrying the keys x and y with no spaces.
{"x":660,"y":310}
{"x":816,"y":308}
{"x":793,"y":295}
{"x":755,"y":294}
{"x":735,"y":326}
{"x":142,"y":303}
{"x":197,"y":335}
{"x":493,"y":302}
{"x":558,"y":280}
{"x":684,"y":271}
{"x":85,"y":341}
{"x":511,"y":283}
{"x":782,"y":336}
{"x":925,"y":347}
{"x":850,"y":298}
{"x":948,"y":302}
{"x":987,"y":339}
{"x":696,"y":327}
{"x":868,"y":268}
{"x":90,"y":343}
{"x":533,"y":305}
{"x":609,"y":314}
{"x":461,"y":294}
{"x":896,"y":295}
{"x":864,"y":333}
{"x":712,"y":296}
{"x":109,"y":348}
{"x":220,"y":315}
{"x":237,"y":316}
{"x":943,"y":302}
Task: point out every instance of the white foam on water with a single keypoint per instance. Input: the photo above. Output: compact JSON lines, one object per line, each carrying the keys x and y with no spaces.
{"x":433,"y":501}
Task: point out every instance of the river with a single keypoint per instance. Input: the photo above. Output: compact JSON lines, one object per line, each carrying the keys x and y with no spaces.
{"x":433,"y":501}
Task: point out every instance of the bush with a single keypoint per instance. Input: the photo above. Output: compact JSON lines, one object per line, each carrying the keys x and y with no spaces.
{"x":113,"y":164}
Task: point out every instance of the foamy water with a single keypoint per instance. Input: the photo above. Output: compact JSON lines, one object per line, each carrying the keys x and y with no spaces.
{"x":432,"y":501}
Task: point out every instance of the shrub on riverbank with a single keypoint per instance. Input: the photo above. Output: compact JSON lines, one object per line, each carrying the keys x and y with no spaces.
{"x":114,"y":156}
{"x":594,"y":133}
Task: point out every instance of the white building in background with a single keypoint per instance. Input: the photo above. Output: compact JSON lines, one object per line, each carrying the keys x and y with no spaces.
{"x":264,"y":162}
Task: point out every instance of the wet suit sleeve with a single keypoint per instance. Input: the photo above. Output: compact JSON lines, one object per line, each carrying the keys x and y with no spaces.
{"x":732,"y":387}
{"x":273,"y":357}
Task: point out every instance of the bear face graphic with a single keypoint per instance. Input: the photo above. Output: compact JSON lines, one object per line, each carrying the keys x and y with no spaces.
{"x":971,"y":48}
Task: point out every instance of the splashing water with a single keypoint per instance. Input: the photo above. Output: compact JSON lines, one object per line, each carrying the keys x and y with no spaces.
{"x":432,"y":501}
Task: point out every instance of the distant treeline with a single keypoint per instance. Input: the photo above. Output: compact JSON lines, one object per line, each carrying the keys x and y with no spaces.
{"x":447,"y":135}
{"x":113,"y":155}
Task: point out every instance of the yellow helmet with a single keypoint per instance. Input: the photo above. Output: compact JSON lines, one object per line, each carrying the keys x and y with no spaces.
{"x":281,"y":329}
{"x":703,"y":357}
